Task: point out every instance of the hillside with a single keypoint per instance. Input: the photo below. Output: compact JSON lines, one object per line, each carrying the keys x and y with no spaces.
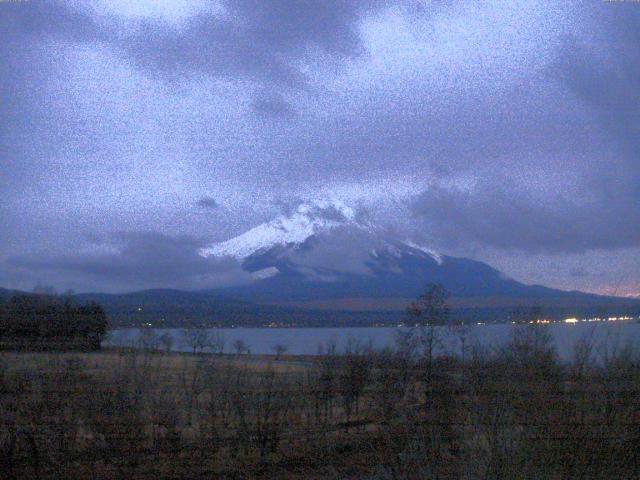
{"x":323,"y":256}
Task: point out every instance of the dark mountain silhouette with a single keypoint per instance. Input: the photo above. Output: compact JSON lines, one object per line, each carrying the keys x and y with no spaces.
{"x":324,"y":257}
{"x":323,"y":265}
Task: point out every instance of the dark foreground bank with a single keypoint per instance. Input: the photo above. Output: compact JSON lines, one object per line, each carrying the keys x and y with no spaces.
{"x":403,"y":413}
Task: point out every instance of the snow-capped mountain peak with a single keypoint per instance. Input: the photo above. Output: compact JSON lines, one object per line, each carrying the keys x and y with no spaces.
{"x":306,"y":221}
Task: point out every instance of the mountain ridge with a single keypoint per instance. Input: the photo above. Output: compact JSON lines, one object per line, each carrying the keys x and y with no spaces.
{"x":164,"y":308}
{"x":323,"y":264}
{"x":325,"y":256}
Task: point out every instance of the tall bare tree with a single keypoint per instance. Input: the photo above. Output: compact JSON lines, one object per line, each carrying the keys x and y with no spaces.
{"x":428,"y":312}
{"x":196,"y":339}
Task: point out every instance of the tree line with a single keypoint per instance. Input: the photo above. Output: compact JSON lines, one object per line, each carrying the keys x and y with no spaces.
{"x":49,"y":322}
{"x":411,"y":411}
{"x":514,"y":412}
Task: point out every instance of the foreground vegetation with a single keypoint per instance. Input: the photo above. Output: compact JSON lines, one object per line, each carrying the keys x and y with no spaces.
{"x":50,"y":322}
{"x":508,"y":414}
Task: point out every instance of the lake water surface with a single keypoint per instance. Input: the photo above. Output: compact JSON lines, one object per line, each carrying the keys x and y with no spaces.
{"x":605,"y":336}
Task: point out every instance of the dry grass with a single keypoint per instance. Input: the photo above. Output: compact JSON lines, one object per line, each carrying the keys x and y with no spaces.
{"x":137,"y":414}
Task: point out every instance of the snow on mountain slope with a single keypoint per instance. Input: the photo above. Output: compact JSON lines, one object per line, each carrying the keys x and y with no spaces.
{"x":306,"y":221}
{"x":436,"y":256}
{"x":325,"y":249}
{"x":323,"y":255}
{"x":265,"y":273}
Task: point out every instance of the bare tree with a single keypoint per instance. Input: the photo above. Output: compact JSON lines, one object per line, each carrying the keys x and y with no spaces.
{"x":280,"y":349}
{"x":406,"y":343}
{"x":218,"y":343}
{"x":148,"y":339}
{"x":192,"y":383}
{"x":428,"y":312}
{"x":461,"y":332}
{"x":197,"y":339}
{"x":260,"y":408}
{"x":166,"y":340}
{"x":240,"y":346}
{"x":352,"y":380}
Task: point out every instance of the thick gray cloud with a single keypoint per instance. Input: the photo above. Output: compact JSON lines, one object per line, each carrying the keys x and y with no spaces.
{"x":208,"y":202}
{"x":272,"y":105}
{"x":599,"y":209}
{"x":46,"y":18}
{"x":128,"y":261}
{"x":252,"y":39}
{"x":493,"y":215}
{"x":495,"y":130}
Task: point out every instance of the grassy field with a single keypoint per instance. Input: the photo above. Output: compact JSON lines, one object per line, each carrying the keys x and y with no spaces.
{"x":517,"y":413}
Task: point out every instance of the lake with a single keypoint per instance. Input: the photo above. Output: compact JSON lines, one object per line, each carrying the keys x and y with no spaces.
{"x":310,"y":341}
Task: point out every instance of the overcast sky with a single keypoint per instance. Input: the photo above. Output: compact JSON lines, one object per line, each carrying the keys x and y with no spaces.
{"x":133,"y":132}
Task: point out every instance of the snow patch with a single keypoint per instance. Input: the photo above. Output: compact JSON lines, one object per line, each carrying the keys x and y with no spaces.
{"x":306,"y":221}
{"x":265,"y":273}
{"x":394,"y":251}
{"x":436,"y":256}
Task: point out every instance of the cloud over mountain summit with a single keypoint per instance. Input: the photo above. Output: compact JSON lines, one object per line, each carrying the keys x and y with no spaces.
{"x":502,"y":131}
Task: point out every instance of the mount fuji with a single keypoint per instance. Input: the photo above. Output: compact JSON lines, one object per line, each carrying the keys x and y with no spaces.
{"x":324,"y":256}
{"x":324,"y":265}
